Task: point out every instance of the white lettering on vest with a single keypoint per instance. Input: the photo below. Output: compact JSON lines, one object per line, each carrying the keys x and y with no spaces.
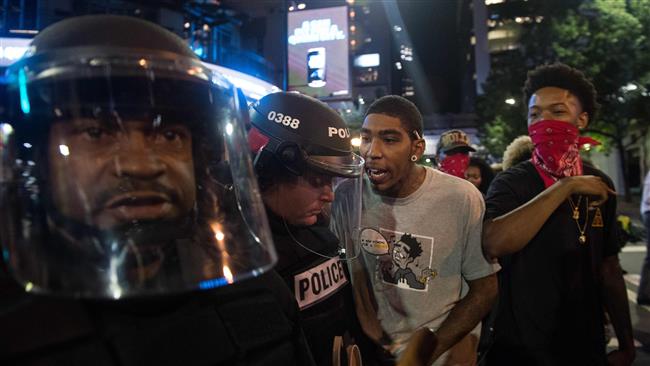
{"x":319,"y":282}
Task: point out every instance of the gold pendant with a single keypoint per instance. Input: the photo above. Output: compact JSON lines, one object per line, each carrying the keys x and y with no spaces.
{"x":582,"y":239}
{"x":576,"y":214}
{"x":598,"y":219}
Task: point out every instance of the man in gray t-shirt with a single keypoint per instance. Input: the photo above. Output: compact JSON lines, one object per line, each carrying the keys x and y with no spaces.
{"x":421,"y":282}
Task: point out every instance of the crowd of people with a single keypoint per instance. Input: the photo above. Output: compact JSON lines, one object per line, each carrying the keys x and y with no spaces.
{"x":151,"y":217}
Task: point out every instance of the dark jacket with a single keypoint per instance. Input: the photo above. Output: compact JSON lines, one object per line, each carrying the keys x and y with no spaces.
{"x":254,"y":322}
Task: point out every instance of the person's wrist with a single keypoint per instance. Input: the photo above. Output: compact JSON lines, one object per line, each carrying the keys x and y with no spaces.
{"x":565,"y":186}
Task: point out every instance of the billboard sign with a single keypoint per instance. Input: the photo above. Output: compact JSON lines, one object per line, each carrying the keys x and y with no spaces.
{"x":318,"y":61}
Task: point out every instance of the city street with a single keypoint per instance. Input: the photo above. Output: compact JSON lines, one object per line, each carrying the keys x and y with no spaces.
{"x":631,"y":259}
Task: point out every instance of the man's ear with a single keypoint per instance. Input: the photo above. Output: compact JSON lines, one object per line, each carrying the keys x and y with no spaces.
{"x":583,"y":120}
{"x":417,"y":147}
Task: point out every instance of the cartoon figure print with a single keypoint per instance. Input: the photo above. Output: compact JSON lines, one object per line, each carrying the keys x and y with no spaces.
{"x":403,"y":260}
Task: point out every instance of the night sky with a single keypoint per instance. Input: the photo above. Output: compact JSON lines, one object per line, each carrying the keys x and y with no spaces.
{"x":437,"y":43}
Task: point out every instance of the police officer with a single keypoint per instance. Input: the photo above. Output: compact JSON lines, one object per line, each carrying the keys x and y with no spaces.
{"x":124,"y":191}
{"x":302,"y":146}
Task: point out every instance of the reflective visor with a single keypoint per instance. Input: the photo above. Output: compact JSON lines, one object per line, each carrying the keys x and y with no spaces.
{"x":349,"y":166}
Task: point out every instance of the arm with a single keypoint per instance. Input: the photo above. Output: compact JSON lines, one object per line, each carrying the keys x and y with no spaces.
{"x":425,"y":346}
{"x":511,"y":232}
{"x":615,"y":299}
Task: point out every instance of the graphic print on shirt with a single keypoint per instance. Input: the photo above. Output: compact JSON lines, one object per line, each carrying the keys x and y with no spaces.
{"x":403,"y":260}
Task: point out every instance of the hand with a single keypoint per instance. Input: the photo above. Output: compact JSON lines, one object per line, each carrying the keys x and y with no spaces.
{"x":620,"y":358}
{"x":419,"y":349}
{"x":590,"y":185}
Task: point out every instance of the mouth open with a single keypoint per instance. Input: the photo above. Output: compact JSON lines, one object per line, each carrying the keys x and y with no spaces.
{"x":377,"y":176}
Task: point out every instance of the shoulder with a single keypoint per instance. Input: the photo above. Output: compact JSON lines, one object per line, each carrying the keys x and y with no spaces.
{"x":522,"y":175}
{"x":515,"y":185}
{"x":451,"y":186}
{"x":441,"y":180}
{"x":522,"y":171}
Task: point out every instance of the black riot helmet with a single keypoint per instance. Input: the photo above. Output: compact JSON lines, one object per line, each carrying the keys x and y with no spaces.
{"x":304,"y":132}
{"x":122,"y":172}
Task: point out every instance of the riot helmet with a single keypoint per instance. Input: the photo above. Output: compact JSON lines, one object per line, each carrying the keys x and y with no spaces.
{"x":297,"y":135}
{"x":304,"y":132}
{"x":123,"y":172}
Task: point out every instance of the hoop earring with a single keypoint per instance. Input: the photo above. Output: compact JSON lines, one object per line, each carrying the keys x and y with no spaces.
{"x":414,"y":158}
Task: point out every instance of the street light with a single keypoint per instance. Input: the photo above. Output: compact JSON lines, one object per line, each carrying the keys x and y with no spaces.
{"x":356,"y":142}
{"x":301,"y":6}
{"x":511,"y":101}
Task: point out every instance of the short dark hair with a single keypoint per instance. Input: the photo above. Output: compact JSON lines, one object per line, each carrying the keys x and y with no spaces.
{"x":401,"y":108}
{"x":415,"y":248}
{"x":563,"y":76}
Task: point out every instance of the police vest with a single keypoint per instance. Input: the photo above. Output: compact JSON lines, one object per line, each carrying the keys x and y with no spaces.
{"x":320,"y":285}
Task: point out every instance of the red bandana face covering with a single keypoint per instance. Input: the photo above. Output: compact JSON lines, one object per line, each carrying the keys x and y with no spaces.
{"x":455,"y":164}
{"x":557,"y":154}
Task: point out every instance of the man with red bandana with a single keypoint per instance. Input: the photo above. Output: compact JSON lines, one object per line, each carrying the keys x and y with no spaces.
{"x":551,"y":222}
{"x":453,"y":153}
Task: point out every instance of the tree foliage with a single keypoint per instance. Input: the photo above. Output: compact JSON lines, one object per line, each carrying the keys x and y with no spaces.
{"x":502,"y":122}
{"x":607,"y":39}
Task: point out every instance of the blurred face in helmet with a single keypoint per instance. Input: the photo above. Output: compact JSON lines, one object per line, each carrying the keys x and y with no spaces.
{"x":299,"y":201}
{"x":387,"y":149}
{"x":106,"y":174}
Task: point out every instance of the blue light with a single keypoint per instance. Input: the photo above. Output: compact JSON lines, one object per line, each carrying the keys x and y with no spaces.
{"x":5,"y":255}
{"x":22,"y":86}
{"x":208,"y":284}
{"x":199,"y":51}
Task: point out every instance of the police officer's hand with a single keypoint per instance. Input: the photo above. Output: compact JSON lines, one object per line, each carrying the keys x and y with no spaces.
{"x":589,"y":185}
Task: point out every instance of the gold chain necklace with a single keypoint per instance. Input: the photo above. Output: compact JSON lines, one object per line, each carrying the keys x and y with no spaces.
{"x":576,"y":217}
{"x":576,"y":207}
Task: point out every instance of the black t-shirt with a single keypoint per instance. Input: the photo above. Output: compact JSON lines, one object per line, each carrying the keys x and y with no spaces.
{"x":254,"y":322}
{"x":309,"y":263}
{"x":550,"y":296}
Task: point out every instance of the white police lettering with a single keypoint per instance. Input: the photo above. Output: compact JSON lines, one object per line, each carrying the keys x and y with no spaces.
{"x":283,"y":119}
{"x":319,"y":282}
{"x":340,"y":132}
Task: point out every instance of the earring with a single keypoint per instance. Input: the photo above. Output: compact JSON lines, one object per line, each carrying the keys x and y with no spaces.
{"x":414,"y":158}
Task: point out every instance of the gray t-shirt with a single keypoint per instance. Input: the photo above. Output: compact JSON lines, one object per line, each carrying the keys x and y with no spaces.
{"x":417,"y":253}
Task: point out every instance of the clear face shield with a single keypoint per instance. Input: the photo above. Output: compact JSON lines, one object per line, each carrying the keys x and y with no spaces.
{"x":350,"y":166}
{"x":127,"y":176}
{"x":345,"y":213}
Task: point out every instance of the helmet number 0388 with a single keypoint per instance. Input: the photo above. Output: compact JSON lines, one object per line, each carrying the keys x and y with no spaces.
{"x":283,"y":119}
